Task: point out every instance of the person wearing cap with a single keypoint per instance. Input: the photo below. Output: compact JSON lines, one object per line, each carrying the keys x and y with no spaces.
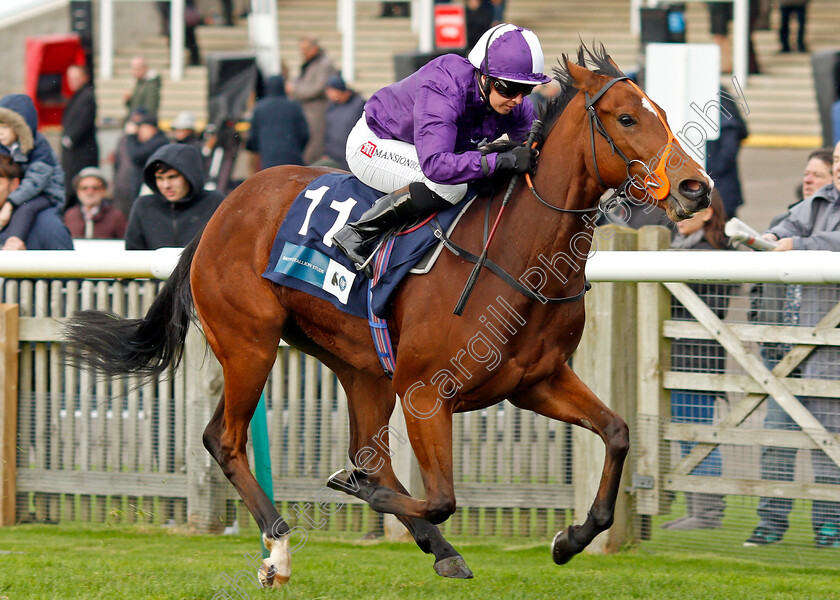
{"x":94,"y":217}
{"x":183,"y":129}
{"x":279,"y":130}
{"x":343,"y":112}
{"x":178,"y":207}
{"x":418,"y":139}
{"x":142,"y":138}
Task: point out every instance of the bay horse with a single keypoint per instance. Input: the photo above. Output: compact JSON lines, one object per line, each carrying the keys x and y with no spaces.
{"x":602,"y":133}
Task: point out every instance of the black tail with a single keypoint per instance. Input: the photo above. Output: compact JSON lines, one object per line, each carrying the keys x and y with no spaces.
{"x":116,"y":346}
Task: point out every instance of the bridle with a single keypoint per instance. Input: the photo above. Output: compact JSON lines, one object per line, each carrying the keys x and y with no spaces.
{"x":655,"y":183}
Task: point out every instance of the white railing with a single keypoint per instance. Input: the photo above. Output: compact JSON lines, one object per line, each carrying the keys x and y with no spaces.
{"x":614,"y":266}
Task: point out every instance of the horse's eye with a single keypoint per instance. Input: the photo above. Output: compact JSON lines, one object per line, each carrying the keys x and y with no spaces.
{"x":626,"y":120}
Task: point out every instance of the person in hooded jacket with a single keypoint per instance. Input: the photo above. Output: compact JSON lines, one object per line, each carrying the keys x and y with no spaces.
{"x":42,"y":185}
{"x":418,"y":138}
{"x":179,"y":207}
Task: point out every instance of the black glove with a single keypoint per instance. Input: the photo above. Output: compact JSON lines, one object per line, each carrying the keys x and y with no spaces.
{"x":498,"y":146}
{"x":521,"y":160}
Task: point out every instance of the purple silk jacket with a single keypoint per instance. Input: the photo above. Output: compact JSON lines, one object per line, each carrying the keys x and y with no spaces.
{"x":440,"y":111}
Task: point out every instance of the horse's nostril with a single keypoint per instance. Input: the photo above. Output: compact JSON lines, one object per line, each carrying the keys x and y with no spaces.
{"x":693,"y":189}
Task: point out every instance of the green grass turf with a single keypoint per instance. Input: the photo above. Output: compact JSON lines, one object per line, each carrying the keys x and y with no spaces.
{"x":143,"y":562}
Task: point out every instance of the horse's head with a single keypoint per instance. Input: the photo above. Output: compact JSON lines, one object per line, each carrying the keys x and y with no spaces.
{"x":632,"y":147}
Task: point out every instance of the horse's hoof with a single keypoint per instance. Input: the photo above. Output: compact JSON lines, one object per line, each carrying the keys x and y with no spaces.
{"x":268,"y":576}
{"x":453,"y":567}
{"x":562,"y":548}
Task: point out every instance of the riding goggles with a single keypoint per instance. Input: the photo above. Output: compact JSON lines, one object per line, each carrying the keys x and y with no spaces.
{"x":511,"y":89}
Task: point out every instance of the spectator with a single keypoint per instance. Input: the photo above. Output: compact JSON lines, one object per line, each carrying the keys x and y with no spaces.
{"x":279,"y":131}
{"x":47,"y":231}
{"x":178,"y":207}
{"x":42,"y":183}
{"x":720,"y":14}
{"x":498,"y":11}
{"x":703,"y":231}
{"x":227,"y":12}
{"x":479,"y":18}
{"x":767,"y":299}
{"x":146,"y":92}
{"x":184,"y":130}
{"x":94,"y":217}
{"x":163,"y":10}
{"x":395,"y":9}
{"x":813,"y":224}
{"x":310,"y":90}
{"x":343,"y":112}
{"x":141,"y":137}
{"x":722,"y":155}
{"x":789,"y":8}
{"x":78,"y":140}
{"x":192,"y":19}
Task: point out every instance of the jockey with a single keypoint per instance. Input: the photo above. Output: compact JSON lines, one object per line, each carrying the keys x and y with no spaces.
{"x":418,"y":139}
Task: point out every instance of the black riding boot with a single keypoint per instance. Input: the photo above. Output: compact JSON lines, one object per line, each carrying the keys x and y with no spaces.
{"x":358,"y":240}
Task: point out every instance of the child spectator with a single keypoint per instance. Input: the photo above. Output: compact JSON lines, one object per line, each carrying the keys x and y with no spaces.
{"x":42,"y":185}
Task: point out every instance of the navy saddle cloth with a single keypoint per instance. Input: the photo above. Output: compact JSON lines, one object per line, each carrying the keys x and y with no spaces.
{"x":304,"y":257}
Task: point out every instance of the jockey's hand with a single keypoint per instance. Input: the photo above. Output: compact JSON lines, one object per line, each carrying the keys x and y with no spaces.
{"x":521,"y":160}
{"x":498,"y":146}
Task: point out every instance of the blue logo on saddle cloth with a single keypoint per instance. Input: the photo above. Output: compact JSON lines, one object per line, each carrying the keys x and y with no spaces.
{"x":304,"y":257}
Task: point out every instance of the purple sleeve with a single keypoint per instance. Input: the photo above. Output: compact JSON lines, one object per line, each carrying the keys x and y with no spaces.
{"x":435,"y":116}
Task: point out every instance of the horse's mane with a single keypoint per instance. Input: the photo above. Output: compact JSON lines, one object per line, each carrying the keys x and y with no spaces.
{"x":597,"y":60}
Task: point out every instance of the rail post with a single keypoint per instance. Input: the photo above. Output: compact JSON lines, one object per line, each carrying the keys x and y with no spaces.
{"x":8,"y":411}
{"x":605,"y":362}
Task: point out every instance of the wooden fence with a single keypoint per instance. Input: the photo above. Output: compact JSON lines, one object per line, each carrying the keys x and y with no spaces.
{"x":93,"y":449}
{"x":99,"y":450}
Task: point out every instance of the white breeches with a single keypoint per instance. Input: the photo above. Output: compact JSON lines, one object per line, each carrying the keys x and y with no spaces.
{"x":388,"y":165}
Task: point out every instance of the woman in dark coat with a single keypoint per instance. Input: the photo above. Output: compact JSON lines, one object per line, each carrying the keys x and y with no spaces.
{"x":78,"y":140}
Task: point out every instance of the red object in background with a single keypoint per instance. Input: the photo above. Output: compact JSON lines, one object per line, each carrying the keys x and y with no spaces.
{"x":450,"y":26}
{"x":47,"y":59}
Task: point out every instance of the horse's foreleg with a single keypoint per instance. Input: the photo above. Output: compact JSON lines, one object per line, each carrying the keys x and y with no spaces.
{"x":566,"y":398}
{"x":371,"y":403}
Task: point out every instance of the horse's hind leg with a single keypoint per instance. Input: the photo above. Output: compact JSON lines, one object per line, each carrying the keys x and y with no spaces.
{"x":247,"y":349}
{"x":371,"y":402}
{"x":565,"y":397}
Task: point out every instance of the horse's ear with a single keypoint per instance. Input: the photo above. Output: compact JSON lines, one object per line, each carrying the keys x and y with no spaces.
{"x":582,"y":78}
{"x":612,"y":62}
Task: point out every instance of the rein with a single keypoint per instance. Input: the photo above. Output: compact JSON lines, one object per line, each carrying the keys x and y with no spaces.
{"x":655,"y":183}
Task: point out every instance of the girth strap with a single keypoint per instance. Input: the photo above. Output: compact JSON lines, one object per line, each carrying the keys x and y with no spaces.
{"x":499,"y":271}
